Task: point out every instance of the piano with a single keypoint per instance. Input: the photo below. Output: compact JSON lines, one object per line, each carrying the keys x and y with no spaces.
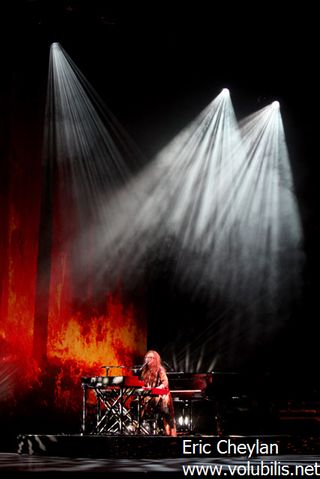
{"x":182,"y":385}
{"x":136,"y":383}
{"x":187,"y":386}
{"x":112,"y":405}
{"x":102,"y":381}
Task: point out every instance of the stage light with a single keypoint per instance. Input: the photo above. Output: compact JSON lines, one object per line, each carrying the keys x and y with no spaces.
{"x":85,"y":155}
{"x":222,"y":193}
{"x":218,"y":200}
{"x":184,"y":421}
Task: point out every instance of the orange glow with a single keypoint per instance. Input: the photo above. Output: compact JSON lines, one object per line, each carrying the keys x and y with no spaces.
{"x":114,"y":338}
{"x":81,"y":338}
{"x":80,"y":346}
{"x":18,"y":252}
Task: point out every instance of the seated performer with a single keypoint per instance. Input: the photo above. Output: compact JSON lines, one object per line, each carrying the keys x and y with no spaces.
{"x":161,"y":407}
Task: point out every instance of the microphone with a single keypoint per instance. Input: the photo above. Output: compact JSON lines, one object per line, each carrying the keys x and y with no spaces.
{"x":144,"y":365}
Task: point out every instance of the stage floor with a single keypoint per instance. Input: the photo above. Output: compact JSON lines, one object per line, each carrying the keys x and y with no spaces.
{"x":164,"y":456}
{"x":172,"y":467}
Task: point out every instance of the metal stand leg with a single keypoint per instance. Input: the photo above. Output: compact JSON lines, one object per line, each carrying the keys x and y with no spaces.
{"x":139,"y":414}
{"x":84,"y":409}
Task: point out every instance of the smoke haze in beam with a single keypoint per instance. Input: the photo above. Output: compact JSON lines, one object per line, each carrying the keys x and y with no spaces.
{"x":271,"y":228}
{"x":172,"y":202}
{"x":256,"y":256}
{"x":218,"y":202}
{"x":89,"y":156}
{"x":93,"y":152}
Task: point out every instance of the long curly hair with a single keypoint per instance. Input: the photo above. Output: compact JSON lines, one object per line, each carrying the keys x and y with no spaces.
{"x":150,"y":374}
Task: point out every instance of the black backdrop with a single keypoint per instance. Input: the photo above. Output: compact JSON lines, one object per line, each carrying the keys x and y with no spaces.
{"x":156,"y":65}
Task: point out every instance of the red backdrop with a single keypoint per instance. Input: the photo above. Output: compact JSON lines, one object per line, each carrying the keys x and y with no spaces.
{"x":81,"y":337}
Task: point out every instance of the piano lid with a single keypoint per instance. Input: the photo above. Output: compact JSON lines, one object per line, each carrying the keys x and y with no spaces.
{"x":189,"y":381}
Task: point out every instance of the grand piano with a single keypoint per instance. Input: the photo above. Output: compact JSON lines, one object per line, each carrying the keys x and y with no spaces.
{"x":219,"y":402}
{"x":193,"y":401}
{"x":189,"y":386}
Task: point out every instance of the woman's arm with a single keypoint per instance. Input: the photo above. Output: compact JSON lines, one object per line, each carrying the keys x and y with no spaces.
{"x":163,"y":379}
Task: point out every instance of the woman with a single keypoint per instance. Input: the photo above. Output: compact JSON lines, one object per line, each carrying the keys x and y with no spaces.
{"x":154,"y":375}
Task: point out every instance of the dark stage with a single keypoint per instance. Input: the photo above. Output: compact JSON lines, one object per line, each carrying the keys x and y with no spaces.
{"x":288,"y":441}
